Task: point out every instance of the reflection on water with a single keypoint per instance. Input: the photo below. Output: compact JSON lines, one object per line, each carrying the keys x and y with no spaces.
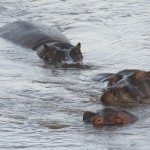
{"x":42,"y":107}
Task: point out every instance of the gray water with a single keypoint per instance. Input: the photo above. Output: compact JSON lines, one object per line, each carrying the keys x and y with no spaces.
{"x":41,"y":107}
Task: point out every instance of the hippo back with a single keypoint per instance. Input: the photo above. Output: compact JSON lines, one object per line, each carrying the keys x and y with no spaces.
{"x":30,"y":35}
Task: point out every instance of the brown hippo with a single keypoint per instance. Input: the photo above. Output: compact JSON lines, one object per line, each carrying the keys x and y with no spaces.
{"x":127,"y":87}
{"x":109,"y":116}
{"x":50,"y":44}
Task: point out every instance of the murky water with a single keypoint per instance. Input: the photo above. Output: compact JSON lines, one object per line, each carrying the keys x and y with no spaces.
{"x":42,"y":108}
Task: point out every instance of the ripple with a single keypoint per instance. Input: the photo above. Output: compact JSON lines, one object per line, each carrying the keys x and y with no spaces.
{"x":41,"y":107}
{"x":56,"y":126}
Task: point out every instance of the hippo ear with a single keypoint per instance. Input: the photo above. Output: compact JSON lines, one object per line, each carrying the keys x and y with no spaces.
{"x":45,"y":46}
{"x":78,"y":45}
{"x":76,"y":49}
{"x":87,"y":116}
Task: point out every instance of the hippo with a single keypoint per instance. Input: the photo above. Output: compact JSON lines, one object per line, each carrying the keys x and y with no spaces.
{"x":108,"y":117}
{"x":50,"y":44}
{"x":127,"y":87}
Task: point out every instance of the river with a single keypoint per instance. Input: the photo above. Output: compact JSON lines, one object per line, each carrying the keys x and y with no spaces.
{"x":42,"y":107}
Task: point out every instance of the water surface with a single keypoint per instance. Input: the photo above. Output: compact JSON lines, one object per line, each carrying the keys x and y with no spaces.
{"x":42,"y":108}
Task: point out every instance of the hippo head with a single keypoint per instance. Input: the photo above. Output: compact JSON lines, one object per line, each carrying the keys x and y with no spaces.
{"x":63,"y":53}
{"x":109,"y":116}
{"x":127,"y":89}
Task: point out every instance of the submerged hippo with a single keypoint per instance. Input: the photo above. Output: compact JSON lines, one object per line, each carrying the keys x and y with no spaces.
{"x":127,"y":87}
{"x":109,"y":116}
{"x":50,"y":44}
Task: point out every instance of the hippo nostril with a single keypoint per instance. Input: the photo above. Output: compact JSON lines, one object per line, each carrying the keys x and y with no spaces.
{"x":98,"y":120}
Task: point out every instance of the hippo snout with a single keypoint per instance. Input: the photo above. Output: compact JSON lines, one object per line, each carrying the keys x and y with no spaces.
{"x":109,"y":116}
{"x":127,"y":88}
{"x":120,"y":96}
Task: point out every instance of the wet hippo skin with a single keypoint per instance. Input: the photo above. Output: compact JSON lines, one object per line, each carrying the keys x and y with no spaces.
{"x":127,"y":87}
{"x":50,"y":44}
{"x":108,"y":117}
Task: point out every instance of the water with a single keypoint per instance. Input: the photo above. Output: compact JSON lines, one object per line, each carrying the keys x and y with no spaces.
{"x":42,"y":108}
